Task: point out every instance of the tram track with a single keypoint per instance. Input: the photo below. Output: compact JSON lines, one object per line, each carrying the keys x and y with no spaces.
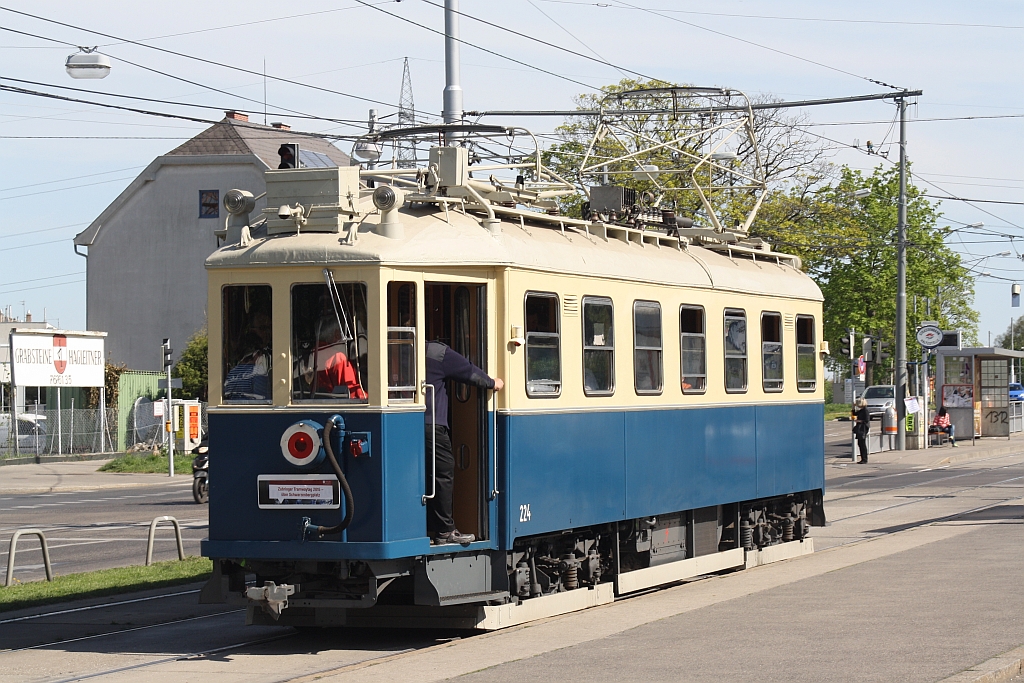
{"x":926,"y":482}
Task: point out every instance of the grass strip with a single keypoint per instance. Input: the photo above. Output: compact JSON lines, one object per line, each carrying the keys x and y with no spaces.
{"x":104,"y":582}
{"x":834,"y":410}
{"x":147,"y":463}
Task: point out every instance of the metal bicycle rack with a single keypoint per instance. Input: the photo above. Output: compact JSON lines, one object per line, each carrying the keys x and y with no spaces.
{"x":14,"y":548}
{"x":152,"y":533}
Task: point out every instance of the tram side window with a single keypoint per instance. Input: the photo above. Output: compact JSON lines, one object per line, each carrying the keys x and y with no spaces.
{"x":543,"y":361}
{"x":329,"y":343}
{"x":693,"y":350}
{"x":806,"y":365}
{"x":647,"y":347}
{"x":401,"y":341}
{"x":735,"y":350}
{"x":598,"y":347}
{"x":771,"y":351}
{"x":247,"y":353}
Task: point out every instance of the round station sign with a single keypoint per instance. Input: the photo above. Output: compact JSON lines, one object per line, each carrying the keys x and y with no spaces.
{"x":929,"y":336}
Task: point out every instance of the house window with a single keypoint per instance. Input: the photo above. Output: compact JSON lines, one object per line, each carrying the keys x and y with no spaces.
{"x":692,"y":349}
{"x":209,"y":203}
{"x":647,"y":347}
{"x":735,"y":350}
{"x":771,"y":351}
{"x":543,"y":360}
{"x":598,"y":347}
{"x":806,"y":365}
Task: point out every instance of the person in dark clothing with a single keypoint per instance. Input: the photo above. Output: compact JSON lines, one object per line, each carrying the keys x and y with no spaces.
{"x":861,"y":427}
{"x":445,"y":364}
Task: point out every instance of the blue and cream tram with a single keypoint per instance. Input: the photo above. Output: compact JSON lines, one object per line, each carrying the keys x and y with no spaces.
{"x":662,"y":412}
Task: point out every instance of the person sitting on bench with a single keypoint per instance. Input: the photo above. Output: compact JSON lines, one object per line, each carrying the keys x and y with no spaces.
{"x":941,"y":423}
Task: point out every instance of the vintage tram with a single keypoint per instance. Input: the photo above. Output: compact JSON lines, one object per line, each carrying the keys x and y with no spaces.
{"x":662,"y":414}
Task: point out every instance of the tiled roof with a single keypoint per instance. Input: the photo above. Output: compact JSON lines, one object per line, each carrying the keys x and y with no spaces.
{"x":231,"y":136}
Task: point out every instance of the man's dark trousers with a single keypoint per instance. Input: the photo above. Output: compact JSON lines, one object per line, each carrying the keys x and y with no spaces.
{"x":439,"y":508}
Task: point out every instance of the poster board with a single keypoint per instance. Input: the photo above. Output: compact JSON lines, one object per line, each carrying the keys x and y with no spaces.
{"x":958,"y":395}
{"x":57,"y":358}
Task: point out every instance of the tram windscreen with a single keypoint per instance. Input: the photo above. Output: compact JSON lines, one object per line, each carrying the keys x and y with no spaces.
{"x":246,"y":352}
{"x":329,"y":343}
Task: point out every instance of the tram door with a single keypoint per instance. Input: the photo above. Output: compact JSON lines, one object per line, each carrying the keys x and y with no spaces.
{"x":456,"y":316}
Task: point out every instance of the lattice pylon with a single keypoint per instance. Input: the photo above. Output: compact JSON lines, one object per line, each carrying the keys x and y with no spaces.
{"x":406,"y":117}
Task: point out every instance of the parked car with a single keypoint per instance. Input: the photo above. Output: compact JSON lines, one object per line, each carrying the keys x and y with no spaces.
{"x":878,"y":397}
{"x":30,"y":429}
{"x":1016,"y":391}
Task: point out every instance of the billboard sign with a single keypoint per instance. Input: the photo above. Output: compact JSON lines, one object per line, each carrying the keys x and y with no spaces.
{"x":55,"y":358}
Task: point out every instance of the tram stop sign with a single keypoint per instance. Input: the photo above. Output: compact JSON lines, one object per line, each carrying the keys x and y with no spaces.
{"x":929,"y":336}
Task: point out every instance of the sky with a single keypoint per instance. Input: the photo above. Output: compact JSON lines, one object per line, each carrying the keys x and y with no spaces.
{"x":62,"y":163}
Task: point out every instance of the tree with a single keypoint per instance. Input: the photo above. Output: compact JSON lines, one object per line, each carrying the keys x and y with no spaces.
{"x":848,"y":245}
{"x":785,"y":151}
{"x":192,"y":368}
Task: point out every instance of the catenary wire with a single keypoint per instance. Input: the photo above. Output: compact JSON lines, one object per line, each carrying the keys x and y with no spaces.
{"x":599,"y":59}
{"x":478,"y":47}
{"x":576,"y":38}
{"x":813,"y":19}
{"x":760,"y":45}
{"x":200,"y":59}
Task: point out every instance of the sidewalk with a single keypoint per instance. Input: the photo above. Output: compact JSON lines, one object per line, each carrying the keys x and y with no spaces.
{"x":838,"y":447}
{"x":60,"y":477}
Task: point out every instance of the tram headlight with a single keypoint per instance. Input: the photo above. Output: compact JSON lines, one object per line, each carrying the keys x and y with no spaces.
{"x":301,"y":444}
{"x":386,"y":197}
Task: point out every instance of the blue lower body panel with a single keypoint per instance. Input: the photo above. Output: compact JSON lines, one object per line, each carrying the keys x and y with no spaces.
{"x":566,"y":470}
{"x":555,"y":471}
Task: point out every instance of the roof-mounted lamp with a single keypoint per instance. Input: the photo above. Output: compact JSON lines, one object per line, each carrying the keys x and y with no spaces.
{"x":87,"y":63}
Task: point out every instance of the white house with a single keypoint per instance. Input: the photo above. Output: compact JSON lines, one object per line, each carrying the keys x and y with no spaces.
{"x":145,"y":278}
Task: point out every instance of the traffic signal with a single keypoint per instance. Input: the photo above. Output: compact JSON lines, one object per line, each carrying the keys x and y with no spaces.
{"x":167,"y":353}
{"x":289,"y":154}
{"x":866,"y":348}
{"x":882,"y":354}
{"x":846,"y":345}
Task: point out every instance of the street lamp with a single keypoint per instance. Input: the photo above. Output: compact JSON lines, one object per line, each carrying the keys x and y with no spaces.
{"x":87,"y":63}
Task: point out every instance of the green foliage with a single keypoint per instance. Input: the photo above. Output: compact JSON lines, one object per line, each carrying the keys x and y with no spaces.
{"x":104,"y":582}
{"x":192,"y":368}
{"x":148,"y":463}
{"x":848,"y":245}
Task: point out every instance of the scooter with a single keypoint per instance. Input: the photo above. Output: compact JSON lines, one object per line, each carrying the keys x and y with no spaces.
{"x":201,"y":474}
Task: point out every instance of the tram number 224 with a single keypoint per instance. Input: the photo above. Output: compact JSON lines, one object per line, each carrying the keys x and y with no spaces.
{"x":524,"y":513}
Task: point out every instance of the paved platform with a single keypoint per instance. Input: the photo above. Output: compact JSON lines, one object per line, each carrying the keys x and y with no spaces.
{"x":920,"y":605}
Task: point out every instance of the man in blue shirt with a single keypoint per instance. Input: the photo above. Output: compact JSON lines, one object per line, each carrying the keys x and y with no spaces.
{"x":445,"y":364}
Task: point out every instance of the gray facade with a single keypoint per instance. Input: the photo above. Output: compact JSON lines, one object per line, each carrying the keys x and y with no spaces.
{"x":145,"y":275}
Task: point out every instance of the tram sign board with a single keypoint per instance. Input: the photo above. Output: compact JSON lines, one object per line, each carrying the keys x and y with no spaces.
{"x":929,"y":336}
{"x":57,"y":358}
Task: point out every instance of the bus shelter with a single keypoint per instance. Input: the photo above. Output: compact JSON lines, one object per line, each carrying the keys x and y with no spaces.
{"x":973,"y":384}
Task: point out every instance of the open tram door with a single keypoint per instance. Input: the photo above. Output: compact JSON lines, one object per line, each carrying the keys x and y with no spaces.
{"x":456,"y":314}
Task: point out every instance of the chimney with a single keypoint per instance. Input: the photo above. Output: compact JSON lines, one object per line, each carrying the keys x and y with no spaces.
{"x":281,"y":126}
{"x":236,"y":116}
{"x":28,"y":317}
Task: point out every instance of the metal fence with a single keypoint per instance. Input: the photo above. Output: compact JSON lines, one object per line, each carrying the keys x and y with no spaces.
{"x":76,"y":431}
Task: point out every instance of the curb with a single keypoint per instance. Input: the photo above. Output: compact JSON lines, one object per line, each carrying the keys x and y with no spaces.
{"x":45,"y":459}
{"x":996,"y":670}
{"x":995,"y":452}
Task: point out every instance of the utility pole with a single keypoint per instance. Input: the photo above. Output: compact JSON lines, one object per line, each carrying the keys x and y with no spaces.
{"x":901,"y":286}
{"x":452,"y":110}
